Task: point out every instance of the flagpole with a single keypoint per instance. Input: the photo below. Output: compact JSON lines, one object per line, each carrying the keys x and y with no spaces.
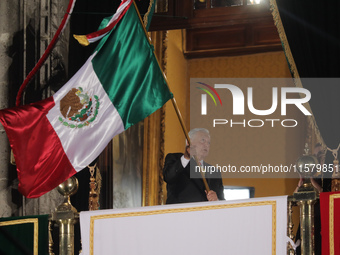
{"x":179,"y":115}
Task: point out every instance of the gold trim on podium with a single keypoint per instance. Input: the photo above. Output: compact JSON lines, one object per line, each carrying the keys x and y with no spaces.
{"x":187,"y":209}
{"x":35,"y":222}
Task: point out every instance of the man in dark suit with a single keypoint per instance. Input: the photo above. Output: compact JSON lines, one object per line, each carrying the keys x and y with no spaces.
{"x":184,"y":181}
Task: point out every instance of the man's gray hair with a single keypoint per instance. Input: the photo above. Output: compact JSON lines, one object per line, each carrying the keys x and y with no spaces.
{"x":195,"y":130}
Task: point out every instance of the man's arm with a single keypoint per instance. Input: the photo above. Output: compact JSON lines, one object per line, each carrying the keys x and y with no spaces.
{"x":172,"y":167}
{"x":220,"y":190}
{"x":217,"y":190}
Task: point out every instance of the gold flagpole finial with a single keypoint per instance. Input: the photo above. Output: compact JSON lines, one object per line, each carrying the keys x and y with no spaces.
{"x":82,"y":39}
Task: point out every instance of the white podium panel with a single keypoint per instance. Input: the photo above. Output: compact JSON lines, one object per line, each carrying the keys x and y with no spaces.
{"x":242,"y":227}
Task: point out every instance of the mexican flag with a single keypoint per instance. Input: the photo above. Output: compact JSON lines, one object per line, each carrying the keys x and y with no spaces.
{"x":118,"y":86}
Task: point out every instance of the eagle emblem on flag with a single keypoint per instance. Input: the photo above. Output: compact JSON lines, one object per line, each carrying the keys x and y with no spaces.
{"x":78,"y":108}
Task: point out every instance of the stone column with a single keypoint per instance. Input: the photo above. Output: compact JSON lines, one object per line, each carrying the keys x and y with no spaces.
{"x":9,"y":26}
{"x":52,"y":77}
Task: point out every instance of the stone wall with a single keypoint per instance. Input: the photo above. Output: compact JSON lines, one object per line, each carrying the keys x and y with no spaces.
{"x":9,"y":26}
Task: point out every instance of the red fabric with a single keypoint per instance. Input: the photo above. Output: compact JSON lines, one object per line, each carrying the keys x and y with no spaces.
{"x":325,"y":223}
{"x":38,"y":172}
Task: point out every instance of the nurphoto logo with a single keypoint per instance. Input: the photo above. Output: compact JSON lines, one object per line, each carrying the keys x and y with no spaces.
{"x":280,"y":96}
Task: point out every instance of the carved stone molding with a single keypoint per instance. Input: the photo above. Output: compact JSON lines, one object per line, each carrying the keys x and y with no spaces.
{"x":154,"y":138}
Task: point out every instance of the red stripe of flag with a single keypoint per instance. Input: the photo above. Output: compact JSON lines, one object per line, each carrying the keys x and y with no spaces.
{"x":33,"y":141}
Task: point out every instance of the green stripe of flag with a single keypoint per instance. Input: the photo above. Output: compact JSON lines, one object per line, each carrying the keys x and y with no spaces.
{"x":129,"y":72}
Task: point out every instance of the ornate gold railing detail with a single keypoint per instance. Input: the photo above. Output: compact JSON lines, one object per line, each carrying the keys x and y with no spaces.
{"x":305,"y":197}
{"x":290,"y":224}
{"x":50,"y":239}
{"x":66,"y":216}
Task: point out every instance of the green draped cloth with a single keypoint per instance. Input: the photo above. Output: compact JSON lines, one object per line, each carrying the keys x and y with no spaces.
{"x":24,"y":235}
